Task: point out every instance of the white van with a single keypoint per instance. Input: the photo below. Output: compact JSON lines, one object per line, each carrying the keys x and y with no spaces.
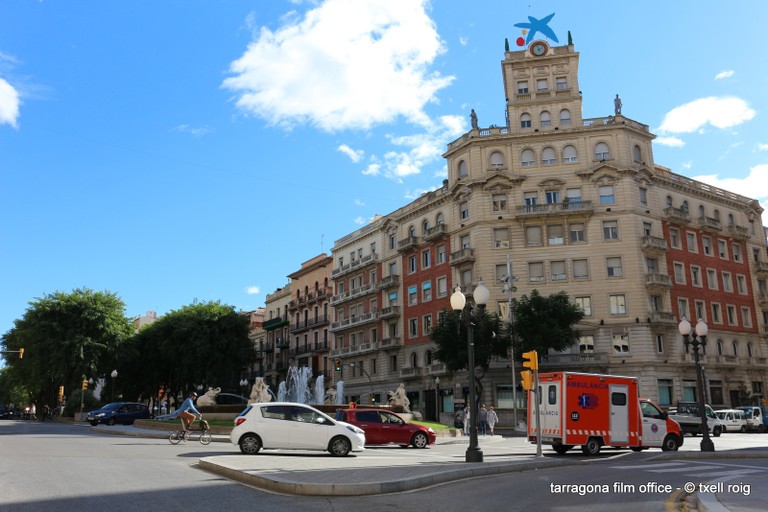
{"x":733,"y":420}
{"x":755,"y":418}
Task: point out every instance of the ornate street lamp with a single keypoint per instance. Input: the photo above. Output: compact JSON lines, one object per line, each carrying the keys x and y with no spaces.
{"x":437,"y":399}
{"x":695,"y":340}
{"x":459,"y":304}
{"x":114,"y":376}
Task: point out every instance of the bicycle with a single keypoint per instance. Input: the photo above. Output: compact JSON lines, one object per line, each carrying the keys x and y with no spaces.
{"x":203,"y":433}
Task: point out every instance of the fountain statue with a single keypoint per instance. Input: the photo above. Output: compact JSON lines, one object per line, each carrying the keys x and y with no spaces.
{"x":260,"y":392}
{"x":330,"y":398}
{"x":399,"y":398}
{"x":209,"y":397}
{"x":282,"y":394}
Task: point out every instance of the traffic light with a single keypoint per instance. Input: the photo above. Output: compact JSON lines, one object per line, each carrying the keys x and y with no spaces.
{"x":527,"y":377}
{"x":21,"y":353}
{"x":85,"y":384}
{"x":61,"y":393}
{"x":531,"y":360}
{"x":338,"y":365}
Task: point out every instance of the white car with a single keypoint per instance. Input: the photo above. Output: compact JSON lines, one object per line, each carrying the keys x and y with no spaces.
{"x":292,"y":426}
{"x":733,"y":420}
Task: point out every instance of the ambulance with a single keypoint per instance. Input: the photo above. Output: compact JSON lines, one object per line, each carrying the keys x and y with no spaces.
{"x":592,"y":411}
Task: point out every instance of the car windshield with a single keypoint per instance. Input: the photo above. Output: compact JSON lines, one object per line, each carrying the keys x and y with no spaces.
{"x":112,"y":407}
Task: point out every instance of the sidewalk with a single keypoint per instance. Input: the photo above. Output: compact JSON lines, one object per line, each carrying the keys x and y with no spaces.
{"x":376,"y":472}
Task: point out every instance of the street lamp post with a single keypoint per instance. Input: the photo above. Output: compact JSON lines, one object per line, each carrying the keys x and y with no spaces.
{"x":114,"y":376}
{"x":437,"y":399}
{"x":697,"y":339}
{"x":459,"y":304}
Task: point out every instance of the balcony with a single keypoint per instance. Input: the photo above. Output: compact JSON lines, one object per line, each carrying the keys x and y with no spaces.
{"x":580,"y":208}
{"x":389,"y":312}
{"x":411,"y":373}
{"x":389,"y":281}
{"x":738,"y":232}
{"x":436,"y":232}
{"x":678,"y":215}
{"x":761,"y":269}
{"x":310,"y":323}
{"x":656,"y":280}
{"x":355,"y":321}
{"x":463,"y":256}
{"x":274,"y":323}
{"x":709,"y":224}
{"x":436,"y":369}
{"x":393,"y":342}
{"x":762,"y":300}
{"x":653,"y":244}
{"x":354,"y":265}
{"x":570,"y":360}
{"x":407,"y":244}
{"x":663,"y":317}
{"x":281,"y":343}
{"x":353,"y":294}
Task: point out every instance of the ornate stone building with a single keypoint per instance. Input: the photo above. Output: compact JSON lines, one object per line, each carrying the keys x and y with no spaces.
{"x":576,"y":204}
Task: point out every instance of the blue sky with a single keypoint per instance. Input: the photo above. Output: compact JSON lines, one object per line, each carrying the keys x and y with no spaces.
{"x":180,"y":150}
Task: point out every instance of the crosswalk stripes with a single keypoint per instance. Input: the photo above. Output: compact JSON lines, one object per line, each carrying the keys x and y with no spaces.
{"x":693,"y":469}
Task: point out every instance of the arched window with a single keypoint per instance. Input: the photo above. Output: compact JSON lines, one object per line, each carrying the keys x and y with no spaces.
{"x":414,"y":360}
{"x":601,"y":151}
{"x":701,"y":210}
{"x":525,"y":121}
{"x":527,"y":158}
{"x":548,"y":157}
{"x":545,"y":119}
{"x":462,"y":168}
{"x":637,"y":154}
{"x":669,"y":201}
{"x":565,"y":116}
{"x":425,"y":226}
{"x":569,"y":155}
{"x":684,"y":206}
{"x":719,"y":347}
{"x":497,"y":160}
{"x":717,"y":215}
{"x":749,"y":349}
{"x":440,"y":219}
{"x":412,"y":231}
{"x":730,"y":219}
{"x":428,"y":357}
{"x":735,"y":347}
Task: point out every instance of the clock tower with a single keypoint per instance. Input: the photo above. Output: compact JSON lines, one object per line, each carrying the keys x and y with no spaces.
{"x":541,"y":86}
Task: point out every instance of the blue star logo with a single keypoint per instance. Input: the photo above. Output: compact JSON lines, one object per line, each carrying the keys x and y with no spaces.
{"x":538,"y":26}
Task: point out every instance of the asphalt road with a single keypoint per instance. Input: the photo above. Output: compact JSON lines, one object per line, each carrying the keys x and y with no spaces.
{"x":55,"y":467}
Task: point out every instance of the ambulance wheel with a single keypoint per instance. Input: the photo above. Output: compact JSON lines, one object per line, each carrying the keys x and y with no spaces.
{"x":592,"y":447}
{"x":562,"y":449}
{"x":671,"y":443}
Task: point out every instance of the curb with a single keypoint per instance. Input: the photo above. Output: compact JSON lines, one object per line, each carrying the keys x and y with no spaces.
{"x":436,"y":476}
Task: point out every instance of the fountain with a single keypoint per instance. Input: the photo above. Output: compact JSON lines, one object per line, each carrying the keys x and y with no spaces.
{"x":319,"y":397}
{"x":281,"y":393}
{"x":340,"y":392}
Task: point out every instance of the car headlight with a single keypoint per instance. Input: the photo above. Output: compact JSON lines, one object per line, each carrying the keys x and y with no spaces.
{"x":355,"y":429}
{"x":101,"y":415}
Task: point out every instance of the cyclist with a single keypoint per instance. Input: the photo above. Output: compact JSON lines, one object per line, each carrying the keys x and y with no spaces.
{"x":187,"y":412}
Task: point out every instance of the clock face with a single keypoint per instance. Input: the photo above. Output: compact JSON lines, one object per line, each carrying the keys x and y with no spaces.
{"x":538,"y":49}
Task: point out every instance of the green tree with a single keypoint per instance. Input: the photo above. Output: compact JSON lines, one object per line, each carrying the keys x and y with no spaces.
{"x":543,"y":323}
{"x":65,"y":336}
{"x":490,"y":337}
{"x":203,"y":343}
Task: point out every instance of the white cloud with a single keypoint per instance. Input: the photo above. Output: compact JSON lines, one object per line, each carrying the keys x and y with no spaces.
{"x":324,"y":70}
{"x":373,"y":169}
{"x":762,"y":147}
{"x":253,"y":290}
{"x":9,"y":104}
{"x":358,"y":202}
{"x":360,"y":221}
{"x":754,"y":185}
{"x":417,"y":193}
{"x":354,"y":154}
{"x":721,"y":113}
{"x":672,"y":142}
{"x":192,"y":130}
{"x":724,"y":74}
{"x":463,"y":41}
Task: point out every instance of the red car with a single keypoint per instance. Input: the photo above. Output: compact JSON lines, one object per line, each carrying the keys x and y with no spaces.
{"x":385,"y":427}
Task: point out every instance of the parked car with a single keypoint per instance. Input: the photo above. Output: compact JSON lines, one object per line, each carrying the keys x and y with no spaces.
{"x":118,"y":412}
{"x":384,"y":427}
{"x":292,"y":426}
{"x":733,"y":420}
{"x":757,"y":417}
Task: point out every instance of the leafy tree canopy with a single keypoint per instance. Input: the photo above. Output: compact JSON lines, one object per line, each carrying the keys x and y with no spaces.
{"x":543,"y":323}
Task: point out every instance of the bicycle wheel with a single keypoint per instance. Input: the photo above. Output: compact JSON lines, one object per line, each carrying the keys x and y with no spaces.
{"x":205,"y":437}
{"x":175,"y":437}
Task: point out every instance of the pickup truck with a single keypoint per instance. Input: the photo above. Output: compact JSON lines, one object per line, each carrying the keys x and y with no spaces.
{"x":687,"y":415}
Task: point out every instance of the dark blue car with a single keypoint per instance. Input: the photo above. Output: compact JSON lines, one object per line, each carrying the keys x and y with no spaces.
{"x":118,"y":412}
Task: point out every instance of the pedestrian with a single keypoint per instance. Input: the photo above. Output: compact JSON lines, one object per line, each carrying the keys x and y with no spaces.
{"x":33,"y":411}
{"x":492,"y":419}
{"x":482,"y":417}
{"x":339,"y":414}
{"x":466,"y":420}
